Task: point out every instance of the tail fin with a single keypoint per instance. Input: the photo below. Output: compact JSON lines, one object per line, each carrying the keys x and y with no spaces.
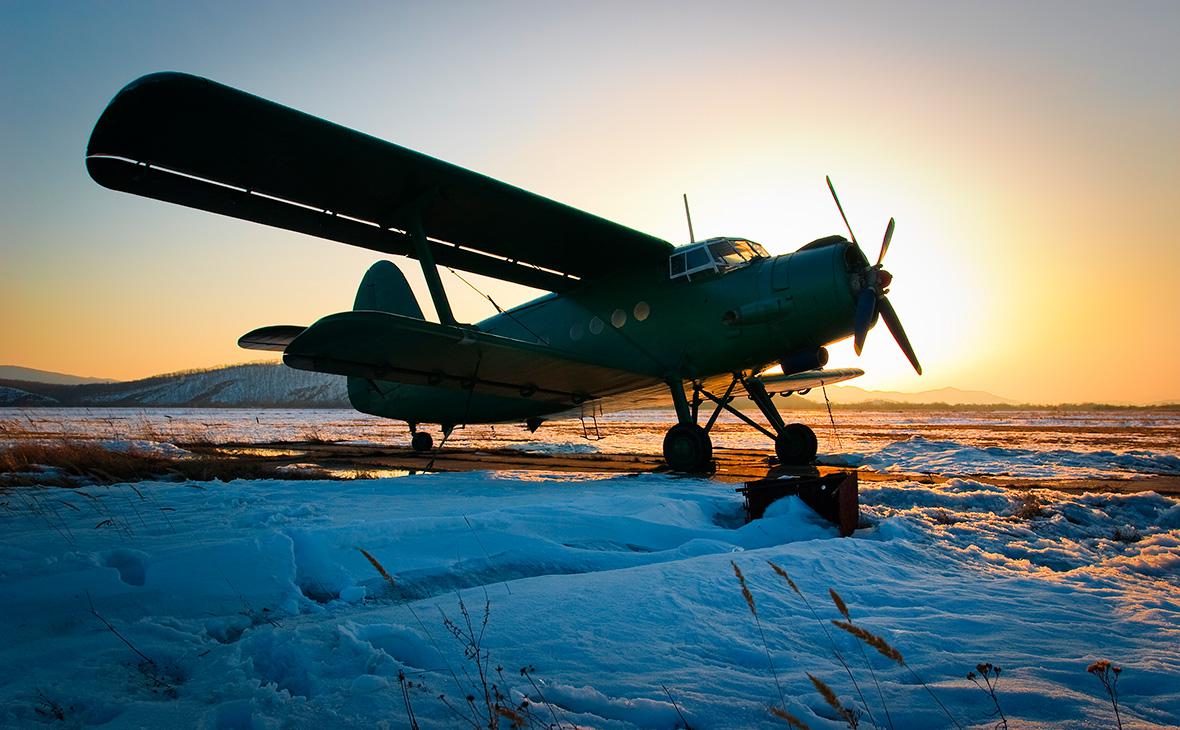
{"x":385,"y":289}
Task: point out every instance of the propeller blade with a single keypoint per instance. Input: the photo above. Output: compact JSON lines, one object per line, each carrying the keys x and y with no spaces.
{"x":865,"y":307}
{"x":840,"y":208}
{"x":885,"y":243}
{"x":889,"y":314}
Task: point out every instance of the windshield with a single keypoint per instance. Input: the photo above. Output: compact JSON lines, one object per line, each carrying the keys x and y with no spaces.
{"x":731,"y":253}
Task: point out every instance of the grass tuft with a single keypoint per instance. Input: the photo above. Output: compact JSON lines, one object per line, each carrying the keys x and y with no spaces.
{"x":378,"y":566}
{"x":878,"y":643}
{"x":791,"y":720}
{"x":745,"y":589}
{"x":850,"y":715}
{"x":785,"y":577}
{"x":840,"y":606}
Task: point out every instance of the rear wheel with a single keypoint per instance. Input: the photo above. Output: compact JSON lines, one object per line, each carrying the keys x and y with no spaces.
{"x":422,"y":441}
{"x":796,"y":445}
{"x":688,"y":448}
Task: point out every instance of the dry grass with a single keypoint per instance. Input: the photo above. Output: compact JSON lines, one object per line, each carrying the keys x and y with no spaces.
{"x":883,"y":647}
{"x":67,"y":463}
{"x":1028,"y":507}
{"x":850,"y":715}
{"x":1108,"y":674}
{"x":378,"y":566}
{"x":988,"y":680}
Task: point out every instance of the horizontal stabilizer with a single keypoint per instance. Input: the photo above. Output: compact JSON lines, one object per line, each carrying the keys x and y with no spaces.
{"x":381,"y":346}
{"x":808,"y":379}
{"x":276,"y":337}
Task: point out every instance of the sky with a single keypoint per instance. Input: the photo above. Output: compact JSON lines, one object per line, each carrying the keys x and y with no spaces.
{"x":1029,"y":152}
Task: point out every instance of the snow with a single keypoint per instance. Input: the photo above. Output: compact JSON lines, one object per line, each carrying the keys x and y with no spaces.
{"x":258,"y":608}
{"x":921,"y":455}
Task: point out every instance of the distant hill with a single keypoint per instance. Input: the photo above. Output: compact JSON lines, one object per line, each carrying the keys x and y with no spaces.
{"x":15,"y":397}
{"x":274,"y":385}
{"x":852,"y":395}
{"x":32,"y":375}
{"x":257,"y":385}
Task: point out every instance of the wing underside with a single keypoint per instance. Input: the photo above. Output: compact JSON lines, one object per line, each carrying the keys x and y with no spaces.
{"x":201,"y":144}
{"x":808,"y":379}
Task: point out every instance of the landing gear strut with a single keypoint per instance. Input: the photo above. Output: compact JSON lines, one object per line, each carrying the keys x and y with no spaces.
{"x":688,"y":448}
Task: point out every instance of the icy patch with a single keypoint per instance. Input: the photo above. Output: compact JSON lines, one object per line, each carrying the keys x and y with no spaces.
{"x":922,"y":456}
{"x":554,"y":448}
{"x":140,"y":446}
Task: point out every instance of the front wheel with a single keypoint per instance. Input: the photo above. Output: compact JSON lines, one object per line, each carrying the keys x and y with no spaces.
{"x":422,"y":441}
{"x":796,"y":445}
{"x":688,"y":448}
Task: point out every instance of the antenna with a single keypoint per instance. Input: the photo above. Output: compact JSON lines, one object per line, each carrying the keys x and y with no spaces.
{"x":691,"y":236}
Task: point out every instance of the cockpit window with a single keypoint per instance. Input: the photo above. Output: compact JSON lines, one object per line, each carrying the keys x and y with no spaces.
{"x":717,"y":256}
{"x":697,"y":258}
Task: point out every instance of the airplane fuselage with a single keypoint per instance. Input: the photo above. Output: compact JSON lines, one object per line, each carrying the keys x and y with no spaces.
{"x":643,"y":321}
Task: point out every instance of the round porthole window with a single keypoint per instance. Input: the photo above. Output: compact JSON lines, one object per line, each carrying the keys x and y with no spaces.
{"x":642,"y":311}
{"x":596,"y":326}
{"x":576,"y":331}
{"x":618,"y":318}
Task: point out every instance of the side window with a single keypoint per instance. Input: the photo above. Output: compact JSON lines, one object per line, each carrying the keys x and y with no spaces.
{"x":676,"y":265}
{"x":697,"y":258}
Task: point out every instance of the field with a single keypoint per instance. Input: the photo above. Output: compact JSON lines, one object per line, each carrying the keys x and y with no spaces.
{"x":1038,"y":541}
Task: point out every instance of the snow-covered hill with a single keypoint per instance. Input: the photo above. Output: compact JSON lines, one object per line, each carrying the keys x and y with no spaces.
{"x":22,"y":398}
{"x":256,"y":385}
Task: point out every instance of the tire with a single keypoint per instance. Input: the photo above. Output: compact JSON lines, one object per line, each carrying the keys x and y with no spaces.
{"x":796,"y":445}
{"x":422,"y":441}
{"x":688,"y":448}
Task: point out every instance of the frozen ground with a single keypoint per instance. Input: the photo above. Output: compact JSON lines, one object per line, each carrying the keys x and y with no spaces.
{"x":257,"y":608}
{"x":1033,"y":444}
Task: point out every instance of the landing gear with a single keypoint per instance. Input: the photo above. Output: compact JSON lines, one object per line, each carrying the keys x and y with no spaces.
{"x":421,"y":441}
{"x":688,"y":448}
{"x":796,"y":445}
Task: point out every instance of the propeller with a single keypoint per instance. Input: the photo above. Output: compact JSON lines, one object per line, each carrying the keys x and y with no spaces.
{"x":871,"y":301}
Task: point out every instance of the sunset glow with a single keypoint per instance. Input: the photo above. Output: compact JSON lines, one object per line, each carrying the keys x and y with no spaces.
{"x":1029,"y":155}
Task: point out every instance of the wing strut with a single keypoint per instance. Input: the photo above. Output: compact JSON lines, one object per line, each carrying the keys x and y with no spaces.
{"x":433,"y":281}
{"x":438,"y":294}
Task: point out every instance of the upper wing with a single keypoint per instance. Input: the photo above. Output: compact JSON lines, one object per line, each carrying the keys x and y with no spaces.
{"x":383,"y":346}
{"x":808,"y":379}
{"x":195,"y":142}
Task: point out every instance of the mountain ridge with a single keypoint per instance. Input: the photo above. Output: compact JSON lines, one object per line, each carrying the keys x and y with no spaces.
{"x":34,"y":375}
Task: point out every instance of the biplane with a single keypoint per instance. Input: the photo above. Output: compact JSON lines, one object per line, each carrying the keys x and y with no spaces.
{"x":628,"y":317}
